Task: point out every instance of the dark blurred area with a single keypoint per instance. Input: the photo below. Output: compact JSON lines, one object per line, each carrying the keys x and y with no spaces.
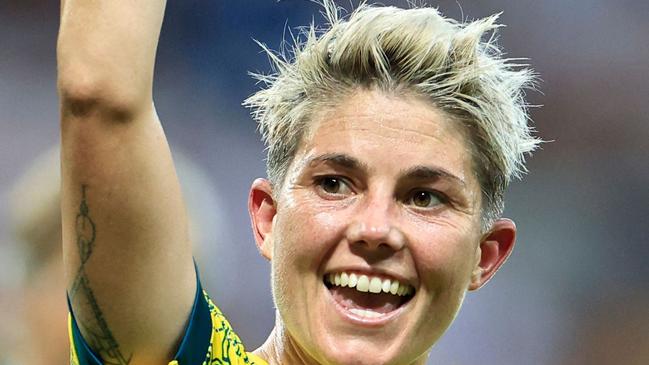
{"x":575,"y":290}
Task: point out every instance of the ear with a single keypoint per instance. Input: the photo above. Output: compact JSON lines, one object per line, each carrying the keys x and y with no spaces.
{"x":495,"y":248}
{"x":261,"y":207}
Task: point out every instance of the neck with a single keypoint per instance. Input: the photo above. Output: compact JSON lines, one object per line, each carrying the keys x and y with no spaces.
{"x":281,"y":349}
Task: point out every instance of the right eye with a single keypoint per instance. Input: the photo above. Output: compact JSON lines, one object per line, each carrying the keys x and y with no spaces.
{"x":425,"y":199}
{"x":333,"y":185}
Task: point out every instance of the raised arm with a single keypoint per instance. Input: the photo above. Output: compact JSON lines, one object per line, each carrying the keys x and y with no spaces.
{"x":128,"y":258}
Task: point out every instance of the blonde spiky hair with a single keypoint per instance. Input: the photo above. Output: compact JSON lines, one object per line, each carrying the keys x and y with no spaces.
{"x":454,"y":65}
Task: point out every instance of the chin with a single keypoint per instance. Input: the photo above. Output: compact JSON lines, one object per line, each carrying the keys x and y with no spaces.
{"x":362,"y":351}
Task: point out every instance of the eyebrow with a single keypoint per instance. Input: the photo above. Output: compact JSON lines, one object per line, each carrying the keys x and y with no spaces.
{"x":430,"y":173}
{"x":339,"y":159}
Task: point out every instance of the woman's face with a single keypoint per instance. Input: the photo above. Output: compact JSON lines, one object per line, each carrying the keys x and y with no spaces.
{"x":375,"y":233}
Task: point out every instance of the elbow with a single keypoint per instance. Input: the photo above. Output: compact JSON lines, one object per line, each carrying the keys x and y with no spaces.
{"x":83,"y":96}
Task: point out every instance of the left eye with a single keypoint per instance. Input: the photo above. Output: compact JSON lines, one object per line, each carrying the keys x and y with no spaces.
{"x":333,"y":185}
{"x":424,"y":199}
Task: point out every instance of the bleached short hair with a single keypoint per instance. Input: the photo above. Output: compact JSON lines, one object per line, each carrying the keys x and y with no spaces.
{"x":457,"y":66}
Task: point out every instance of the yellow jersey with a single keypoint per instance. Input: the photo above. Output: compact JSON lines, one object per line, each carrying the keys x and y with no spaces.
{"x":208,"y":340}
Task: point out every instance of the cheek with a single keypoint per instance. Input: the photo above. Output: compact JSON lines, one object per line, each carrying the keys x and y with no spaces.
{"x":312,"y":219}
{"x":445,"y":259}
{"x":305,"y":233}
{"x":445,"y":266}
{"x":303,"y":236}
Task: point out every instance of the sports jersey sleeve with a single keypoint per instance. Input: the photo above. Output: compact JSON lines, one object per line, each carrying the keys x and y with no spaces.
{"x":209,"y":339}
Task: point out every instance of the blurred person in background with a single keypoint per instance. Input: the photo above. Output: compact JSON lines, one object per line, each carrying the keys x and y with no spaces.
{"x":34,"y":316}
{"x":372,"y":247}
{"x":37,"y":311}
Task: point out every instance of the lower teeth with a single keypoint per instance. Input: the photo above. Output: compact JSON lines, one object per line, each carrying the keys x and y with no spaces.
{"x":365,"y":313}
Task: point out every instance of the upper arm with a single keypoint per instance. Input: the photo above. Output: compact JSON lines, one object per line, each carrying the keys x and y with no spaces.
{"x":128,"y":259}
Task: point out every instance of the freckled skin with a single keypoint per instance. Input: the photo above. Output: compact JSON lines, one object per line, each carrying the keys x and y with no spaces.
{"x":435,"y":248}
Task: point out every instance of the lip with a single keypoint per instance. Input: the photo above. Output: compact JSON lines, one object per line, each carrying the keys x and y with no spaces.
{"x":364,"y":321}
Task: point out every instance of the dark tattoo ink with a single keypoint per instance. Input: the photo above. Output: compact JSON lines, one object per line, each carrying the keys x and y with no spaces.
{"x":96,"y":330}
{"x":86,"y":234}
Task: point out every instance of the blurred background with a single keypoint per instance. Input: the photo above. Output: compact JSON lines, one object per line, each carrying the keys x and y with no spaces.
{"x":575,"y":291}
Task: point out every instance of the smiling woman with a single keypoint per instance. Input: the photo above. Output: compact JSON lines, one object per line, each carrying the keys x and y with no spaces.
{"x":384,"y":241}
{"x":391,"y":138}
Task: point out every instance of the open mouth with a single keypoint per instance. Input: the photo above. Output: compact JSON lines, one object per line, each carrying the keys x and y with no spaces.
{"x":368,"y":296}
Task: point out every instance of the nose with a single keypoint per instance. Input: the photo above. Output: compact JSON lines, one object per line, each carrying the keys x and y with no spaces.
{"x":374,"y":227}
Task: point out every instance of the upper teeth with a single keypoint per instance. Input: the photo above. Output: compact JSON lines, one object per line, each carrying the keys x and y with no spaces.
{"x":372,"y":284}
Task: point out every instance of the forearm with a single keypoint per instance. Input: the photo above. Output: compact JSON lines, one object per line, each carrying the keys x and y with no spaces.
{"x":106,"y":50}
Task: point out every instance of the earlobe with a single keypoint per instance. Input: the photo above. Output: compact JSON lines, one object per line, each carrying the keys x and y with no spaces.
{"x":495,"y":248}
{"x":261,"y":207}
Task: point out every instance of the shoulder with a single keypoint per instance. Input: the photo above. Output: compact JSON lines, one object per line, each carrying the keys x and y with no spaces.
{"x":225,"y":343}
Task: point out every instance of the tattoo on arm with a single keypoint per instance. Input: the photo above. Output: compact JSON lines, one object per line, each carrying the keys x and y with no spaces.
{"x":97,"y":333}
{"x":86,"y":234}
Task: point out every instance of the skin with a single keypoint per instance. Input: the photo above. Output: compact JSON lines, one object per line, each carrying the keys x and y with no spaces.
{"x":382,"y":184}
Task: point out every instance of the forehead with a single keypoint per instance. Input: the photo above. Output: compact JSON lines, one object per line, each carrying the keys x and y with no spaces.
{"x":389,"y":133}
